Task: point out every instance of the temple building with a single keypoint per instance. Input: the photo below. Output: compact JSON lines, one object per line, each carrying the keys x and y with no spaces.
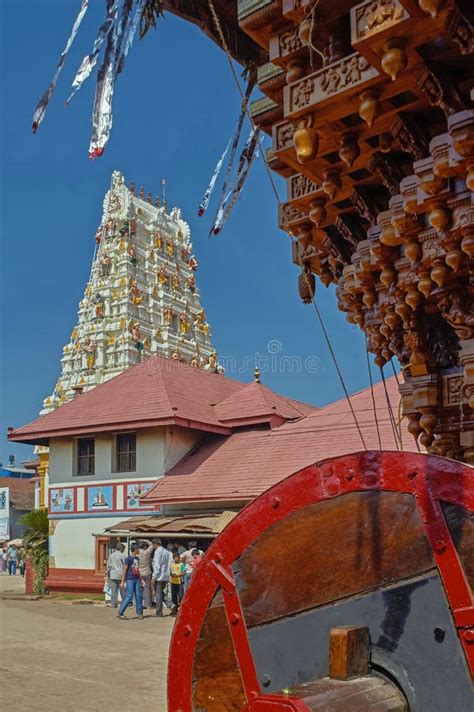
{"x":141,"y":297}
{"x":171,"y":449}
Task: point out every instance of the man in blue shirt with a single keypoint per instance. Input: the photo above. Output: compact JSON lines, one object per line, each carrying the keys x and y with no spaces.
{"x":133,"y":580}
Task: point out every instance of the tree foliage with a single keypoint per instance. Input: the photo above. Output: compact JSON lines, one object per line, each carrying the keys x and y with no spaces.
{"x":35,"y":542}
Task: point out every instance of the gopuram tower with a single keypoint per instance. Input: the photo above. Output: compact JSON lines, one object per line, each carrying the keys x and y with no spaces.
{"x":141,"y":297}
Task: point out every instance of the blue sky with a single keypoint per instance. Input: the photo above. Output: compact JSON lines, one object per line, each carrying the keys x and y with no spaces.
{"x":175,"y":107}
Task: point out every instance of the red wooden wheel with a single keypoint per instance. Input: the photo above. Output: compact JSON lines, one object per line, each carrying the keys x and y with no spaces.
{"x":348,"y":540}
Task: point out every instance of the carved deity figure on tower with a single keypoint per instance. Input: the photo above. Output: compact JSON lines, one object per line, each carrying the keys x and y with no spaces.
{"x":88,"y":347}
{"x":168,"y":314}
{"x":105,"y":262}
{"x":98,"y":301}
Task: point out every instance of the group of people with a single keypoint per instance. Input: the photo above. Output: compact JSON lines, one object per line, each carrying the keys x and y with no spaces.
{"x":151,"y":576}
{"x":13,"y":559}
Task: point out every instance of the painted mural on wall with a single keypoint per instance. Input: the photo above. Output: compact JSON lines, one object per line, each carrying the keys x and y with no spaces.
{"x":134,"y":492}
{"x":100,"y":498}
{"x":61,"y":499}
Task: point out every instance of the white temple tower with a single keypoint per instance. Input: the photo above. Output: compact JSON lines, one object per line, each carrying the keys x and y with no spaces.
{"x":141,"y":297}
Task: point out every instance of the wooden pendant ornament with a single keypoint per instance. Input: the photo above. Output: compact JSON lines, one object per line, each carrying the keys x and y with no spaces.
{"x":387,"y":276}
{"x":413,"y":251}
{"x":403,"y":310}
{"x":369,"y":298}
{"x":349,"y":150}
{"x":295,"y":70}
{"x":306,"y":142}
{"x":439,"y":216}
{"x":385,"y":142}
{"x":391,"y":319}
{"x":326,"y":276}
{"x":306,"y":286}
{"x":317,"y":211}
{"x":454,"y":258}
{"x":425,"y":285}
{"x":439,"y":273}
{"x":432,"y":7}
{"x":369,"y":107}
{"x":331,"y":183}
{"x":413,"y":297}
{"x":394,"y":59}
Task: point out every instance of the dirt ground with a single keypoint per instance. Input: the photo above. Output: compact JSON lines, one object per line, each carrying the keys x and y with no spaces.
{"x":56,"y":656}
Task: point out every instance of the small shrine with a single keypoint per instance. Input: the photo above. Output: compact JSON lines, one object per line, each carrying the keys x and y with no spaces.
{"x":141,"y":298}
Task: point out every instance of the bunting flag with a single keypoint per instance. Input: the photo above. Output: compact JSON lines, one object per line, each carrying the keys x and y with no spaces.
{"x":90,"y":60}
{"x":246,"y":158}
{"x":205,"y":201}
{"x":42,"y":105}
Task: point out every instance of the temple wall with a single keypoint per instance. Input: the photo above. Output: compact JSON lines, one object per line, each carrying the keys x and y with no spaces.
{"x":73,"y":545}
{"x":151,"y":453}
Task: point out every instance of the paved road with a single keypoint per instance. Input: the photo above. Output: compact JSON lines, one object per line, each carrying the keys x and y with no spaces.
{"x":58,"y":656}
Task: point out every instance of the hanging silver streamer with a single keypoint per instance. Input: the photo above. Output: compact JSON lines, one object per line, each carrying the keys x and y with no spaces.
{"x":238,"y":130}
{"x":42,"y":105}
{"x":90,"y":60}
{"x":205,"y":201}
{"x":102,"y":90}
{"x":245,"y":161}
{"x":120,"y":40}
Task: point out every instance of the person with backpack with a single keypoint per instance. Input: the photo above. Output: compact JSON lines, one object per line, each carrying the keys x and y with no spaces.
{"x":133,"y":580}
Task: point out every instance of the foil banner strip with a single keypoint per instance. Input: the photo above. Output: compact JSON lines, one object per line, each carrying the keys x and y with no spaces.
{"x":245,"y":161}
{"x":131,"y":34}
{"x":123,"y":35}
{"x":90,"y":60}
{"x":42,"y":105}
{"x":238,"y":131}
{"x":102,"y":92}
{"x":210,"y":188}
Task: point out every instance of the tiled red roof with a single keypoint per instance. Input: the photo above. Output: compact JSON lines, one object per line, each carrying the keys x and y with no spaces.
{"x":246,"y":463}
{"x":256,"y":400}
{"x":161,"y":391}
{"x":155,"y":390}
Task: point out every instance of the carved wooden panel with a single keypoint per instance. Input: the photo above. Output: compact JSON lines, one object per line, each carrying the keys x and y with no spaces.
{"x":371,"y":17}
{"x":349,"y":72}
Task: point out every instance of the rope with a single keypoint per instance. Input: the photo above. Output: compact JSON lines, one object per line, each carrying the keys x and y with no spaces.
{"x":311,"y":11}
{"x":390,"y":411}
{"x":333,"y":355}
{"x":394,"y":372}
{"x":372,"y":391}
{"x":399,"y":423}
{"x":225,"y":47}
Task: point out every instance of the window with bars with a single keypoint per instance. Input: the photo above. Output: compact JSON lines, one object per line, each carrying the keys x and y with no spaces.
{"x":85,"y":456}
{"x":126,"y":452}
